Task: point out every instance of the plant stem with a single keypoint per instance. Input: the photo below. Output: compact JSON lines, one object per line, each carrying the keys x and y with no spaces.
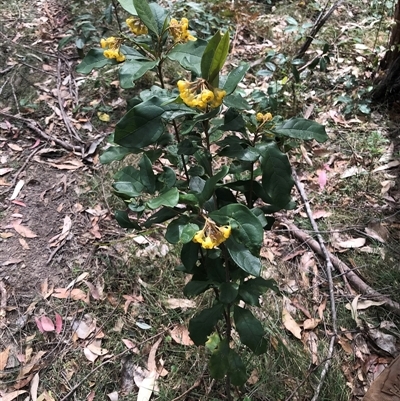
{"x":115,"y":5}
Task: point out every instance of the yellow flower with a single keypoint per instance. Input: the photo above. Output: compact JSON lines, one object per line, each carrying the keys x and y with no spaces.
{"x":136,"y":26}
{"x":262,"y":118}
{"x":112,"y":46}
{"x":211,"y":235}
{"x":208,"y":96}
{"x":179,"y":30}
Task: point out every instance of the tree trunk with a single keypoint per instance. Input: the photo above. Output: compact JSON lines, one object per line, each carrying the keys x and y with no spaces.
{"x":388,"y":89}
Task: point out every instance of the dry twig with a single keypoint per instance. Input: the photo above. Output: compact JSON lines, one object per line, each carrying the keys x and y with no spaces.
{"x":33,"y":125}
{"x":329,"y":269}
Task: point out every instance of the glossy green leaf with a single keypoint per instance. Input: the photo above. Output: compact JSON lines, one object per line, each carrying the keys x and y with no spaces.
{"x":250,"y":330}
{"x":225,"y":361}
{"x":124,"y":221}
{"x":301,"y":128}
{"x":251,"y":290}
{"x":243,"y":257}
{"x":175,"y":228}
{"x":131,"y":70}
{"x":228,"y":292}
{"x":238,"y":152}
{"x":188,"y":232}
{"x":202,"y":324}
{"x":94,"y":60}
{"x":218,"y":363}
{"x":114,"y":153}
{"x":210,"y":185}
{"x":160,"y":15}
{"x":140,"y":126}
{"x":147,"y":176}
{"x":168,"y":177}
{"x":189,"y":255}
{"x":128,"y":183}
{"x":233,"y":121}
{"x":145,"y":13}
{"x":128,"y":6}
{"x":164,"y":214}
{"x":189,"y":55}
{"x":246,"y":227}
{"x":237,"y":101}
{"x":194,"y":288}
{"x":277,"y":180}
{"x":169,"y":198}
{"x":234,"y":77}
{"x":214,"y":57}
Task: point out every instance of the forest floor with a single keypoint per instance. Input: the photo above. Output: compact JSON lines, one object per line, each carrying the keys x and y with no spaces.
{"x":84,"y":306}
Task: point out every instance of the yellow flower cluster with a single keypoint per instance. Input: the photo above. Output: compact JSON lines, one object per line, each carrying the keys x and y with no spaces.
{"x":211,"y":235}
{"x":136,"y":26}
{"x":199,"y":94}
{"x":179,"y":30}
{"x":260,"y":117}
{"x":112,"y":45}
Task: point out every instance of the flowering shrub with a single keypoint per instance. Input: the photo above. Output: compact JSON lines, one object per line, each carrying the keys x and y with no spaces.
{"x":211,"y":167}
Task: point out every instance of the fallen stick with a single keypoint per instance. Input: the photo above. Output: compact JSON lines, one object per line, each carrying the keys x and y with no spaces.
{"x":356,"y":282}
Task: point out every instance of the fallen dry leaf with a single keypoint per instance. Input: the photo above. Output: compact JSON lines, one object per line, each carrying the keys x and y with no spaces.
{"x":4,"y":358}
{"x":23,"y":243}
{"x":76,"y":294}
{"x":180,"y":334}
{"x":15,"y":147}
{"x":132,"y":346}
{"x":83,"y":328}
{"x":34,"y":387}
{"x":351,"y":243}
{"x":290,"y":324}
{"x":175,"y":303}
{"x":148,"y":385}
{"x":13,"y":395}
{"x":17,"y":189}
{"x":113,"y":396}
{"x":23,"y":231}
{"x":310,"y":324}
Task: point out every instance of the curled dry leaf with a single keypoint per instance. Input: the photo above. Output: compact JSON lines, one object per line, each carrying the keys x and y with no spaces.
{"x":180,"y":334}
{"x":290,"y":324}
{"x":310,"y":324}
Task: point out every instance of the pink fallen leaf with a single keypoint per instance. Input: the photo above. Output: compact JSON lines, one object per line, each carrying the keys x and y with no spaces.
{"x":322,"y":179}
{"x":13,"y":395}
{"x":131,"y":345}
{"x":180,"y":334}
{"x":47,"y":324}
{"x":39,"y":324}
{"x":59,"y":323}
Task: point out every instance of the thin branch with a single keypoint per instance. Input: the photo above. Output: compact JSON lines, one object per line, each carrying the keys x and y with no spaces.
{"x":329,"y":269}
{"x":72,"y":131}
{"x":356,"y":282}
{"x":33,"y":125}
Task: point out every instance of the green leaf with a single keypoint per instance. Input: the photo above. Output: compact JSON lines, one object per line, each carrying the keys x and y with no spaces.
{"x":188,"y":232}
{"x":132,"y":70}
{"x":234,"y":77}
{"x":243,"y":257}
{"x":250,"y":330}
{"x":233,"y":121}
{"x":225,"y":361}
{"x":238,"y":152}
{"x":237,"y":101}
{"x":94,"y":60}
{"x":114,"y":153}
{"x":146,"y":15}
{"x":128,"y":183}
{"x":189,"y":255}
{"x":236,"y":369}
{"x":201,"y":325}
{"x":210,"y":185}
{"x":160,"y":15}
{"x":194,"y":288}
{"x":189,"y":55}
{"x":214,"y":57}
{"x":218,"y":363}
{"x":124,"y":221}
{"x":160,"y":216}
{"x":228,"y":292}
{"x":169,"y":198}
{"x":147,"y":176}
{"x":141,"y":126}
{"x":301,"y":128}
{"x":175,"y":229}
{"x":168,"y":177}
{"x":277,"y":180}
{"x":251,"y":290}
{"x":246,"y":227}
{"x":128,"y":6}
